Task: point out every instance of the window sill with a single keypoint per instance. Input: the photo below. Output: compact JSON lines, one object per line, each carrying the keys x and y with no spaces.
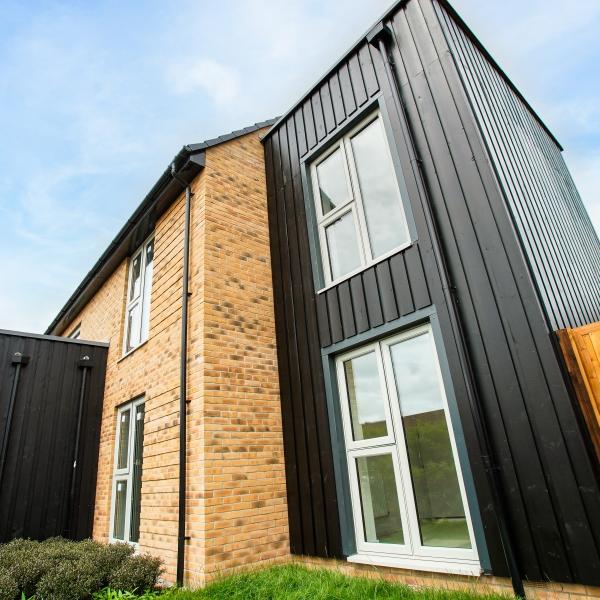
{"x":363,"y":268}
{"x":132,"y":351}
{"x":472,"y":569}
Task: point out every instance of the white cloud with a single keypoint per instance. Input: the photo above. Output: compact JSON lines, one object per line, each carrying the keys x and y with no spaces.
{"x":220,"y":82}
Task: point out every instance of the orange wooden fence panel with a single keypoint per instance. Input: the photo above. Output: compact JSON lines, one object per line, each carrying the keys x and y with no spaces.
{"x":581,"y":349}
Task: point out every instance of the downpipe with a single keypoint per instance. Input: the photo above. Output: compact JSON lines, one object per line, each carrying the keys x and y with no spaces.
{"x":181,"y":536}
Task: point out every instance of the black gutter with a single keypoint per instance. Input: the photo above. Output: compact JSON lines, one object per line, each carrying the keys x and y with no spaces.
{"x":181,"y":537}
{"x":378,"y":38}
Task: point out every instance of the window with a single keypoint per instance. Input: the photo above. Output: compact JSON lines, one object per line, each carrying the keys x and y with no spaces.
{"x":137,"y":315}
{"x":127,"y":480}
{"x":358,"y":205}
{"x":76,"y":333}
{"x":408,"y":499}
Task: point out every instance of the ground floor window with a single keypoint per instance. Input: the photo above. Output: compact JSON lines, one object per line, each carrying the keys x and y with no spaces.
{"x":408,"y":497}
{"x":127,"y":480}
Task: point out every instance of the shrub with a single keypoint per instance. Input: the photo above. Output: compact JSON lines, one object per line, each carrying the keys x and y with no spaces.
{"x":137,"y":573}
{"x":70,"y":580}
{"x":59,"y":569}
{"x":9,"y":589}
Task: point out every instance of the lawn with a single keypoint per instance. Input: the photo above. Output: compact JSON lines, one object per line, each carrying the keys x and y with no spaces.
{"x":292,"y":582}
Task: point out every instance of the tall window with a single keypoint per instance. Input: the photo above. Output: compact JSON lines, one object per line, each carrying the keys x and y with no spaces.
{"x":137,"y":316}
{"x":358,"y":204}
{"x":408,"y":498}
{"x":127,"y":480}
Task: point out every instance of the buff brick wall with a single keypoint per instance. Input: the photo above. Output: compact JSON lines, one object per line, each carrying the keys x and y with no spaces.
{"x":235,"y":472}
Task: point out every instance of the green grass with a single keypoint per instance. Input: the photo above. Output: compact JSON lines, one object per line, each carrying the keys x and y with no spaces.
{"x":292,"y":582}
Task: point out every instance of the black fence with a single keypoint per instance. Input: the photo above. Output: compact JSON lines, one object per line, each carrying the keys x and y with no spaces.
{"x":51,"y":392}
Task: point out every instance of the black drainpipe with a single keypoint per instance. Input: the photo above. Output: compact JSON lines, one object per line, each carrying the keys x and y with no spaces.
{"x":377,"y":37}
{"x":181,"y":537}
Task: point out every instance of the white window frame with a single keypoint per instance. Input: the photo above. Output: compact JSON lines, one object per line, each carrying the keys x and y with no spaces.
{"x":126,"y":473}
{"x":76,"y":333}
{"x":353,"y":203}
{"x":412,"y":554}
{"x":140,"y":299}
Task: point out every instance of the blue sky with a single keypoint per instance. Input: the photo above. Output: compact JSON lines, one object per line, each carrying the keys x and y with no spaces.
{"x":97,"y":97}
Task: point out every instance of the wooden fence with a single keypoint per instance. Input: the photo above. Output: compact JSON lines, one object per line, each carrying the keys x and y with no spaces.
{"x":581,"y":350}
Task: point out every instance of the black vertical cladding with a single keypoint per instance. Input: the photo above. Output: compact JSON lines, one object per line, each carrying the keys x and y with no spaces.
{"x":461,"y":154}
{"x":35,"y":489}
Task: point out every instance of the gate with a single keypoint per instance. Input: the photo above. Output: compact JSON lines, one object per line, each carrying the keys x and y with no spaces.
{"x":51,"y":392}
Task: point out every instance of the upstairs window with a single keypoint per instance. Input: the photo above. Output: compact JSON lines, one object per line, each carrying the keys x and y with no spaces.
{"x":358,"y":204}
{"x":137,"y":315}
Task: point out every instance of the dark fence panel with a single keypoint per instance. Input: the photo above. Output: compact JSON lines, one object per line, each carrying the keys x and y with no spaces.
{"x":51,"y":392}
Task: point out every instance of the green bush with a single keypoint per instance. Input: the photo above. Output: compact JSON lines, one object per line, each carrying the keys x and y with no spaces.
{"x":59,"y":569}
{"x":9,"y":589}
{"x":70,"y":580}
{"x":137,"y":574}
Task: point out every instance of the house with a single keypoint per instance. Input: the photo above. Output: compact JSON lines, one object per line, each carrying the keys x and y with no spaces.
{"x":333,"y":336}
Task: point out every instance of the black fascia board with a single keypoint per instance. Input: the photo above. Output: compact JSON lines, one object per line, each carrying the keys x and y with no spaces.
{"x":188,"y":164}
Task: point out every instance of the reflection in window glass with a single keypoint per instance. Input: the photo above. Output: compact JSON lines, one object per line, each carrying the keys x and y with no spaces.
{"x":136,"y":271}
{"x":120,"y":504}
{"x":367,"y":412}
{"x":344,"y":253}
{"x":136,"y":488}
{"x":379,"y":190}
{"x":123,"y":455}
{"x":440,"y":509}
{"x":145,"y":324}
{"x":133,"y":327}
{"x":379,"y":499}
{"x":333,"y":187}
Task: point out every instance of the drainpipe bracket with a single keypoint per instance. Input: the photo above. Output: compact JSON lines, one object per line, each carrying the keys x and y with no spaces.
{"x":20,"y":359}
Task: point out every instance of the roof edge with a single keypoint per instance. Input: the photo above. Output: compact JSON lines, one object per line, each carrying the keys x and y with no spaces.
{"x":190,"y":158}
{"x":364,"y":38}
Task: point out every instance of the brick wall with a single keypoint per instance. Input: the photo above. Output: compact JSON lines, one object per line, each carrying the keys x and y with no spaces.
{"x":236,"y":482}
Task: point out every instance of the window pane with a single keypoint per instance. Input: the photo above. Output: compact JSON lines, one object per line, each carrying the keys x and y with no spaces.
{"x":367,"y":408}
{"x":344,"y":255}
{"x":440,"y":509}
{"x":379,"y":190}
{"x":123,"y":441}
{"x":145,"y":324}
{"x":136,"y":483}
{"x":133,"y":327}
{"x":379,"y":499}
{"x":136,"y":270}
{"x":119,"y":517}
{"x":333,"y":185}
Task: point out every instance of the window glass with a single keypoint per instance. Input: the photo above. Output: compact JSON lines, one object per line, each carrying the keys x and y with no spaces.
{"x":145,"y":325}
{"x":342,"y":242}
{"x":120,"y":505}
{"x":133,"y":327}
{"x":366,"y":398}
{"x":136,"y":272}
{"x":441,"y":514}
{"x":123,"y":455}
{"x":136,"y":478}
{"x":379,"y":499}
{"x":333,"y":185}
{"x":379,"y":190}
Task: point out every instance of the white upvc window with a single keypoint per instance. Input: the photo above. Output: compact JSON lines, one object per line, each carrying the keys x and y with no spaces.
{"x":408,"y":497}
{"x":127,"y":478}
{"x":359,"y":208}
{"x":76,"y":333}
{"x":139,"y":288}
